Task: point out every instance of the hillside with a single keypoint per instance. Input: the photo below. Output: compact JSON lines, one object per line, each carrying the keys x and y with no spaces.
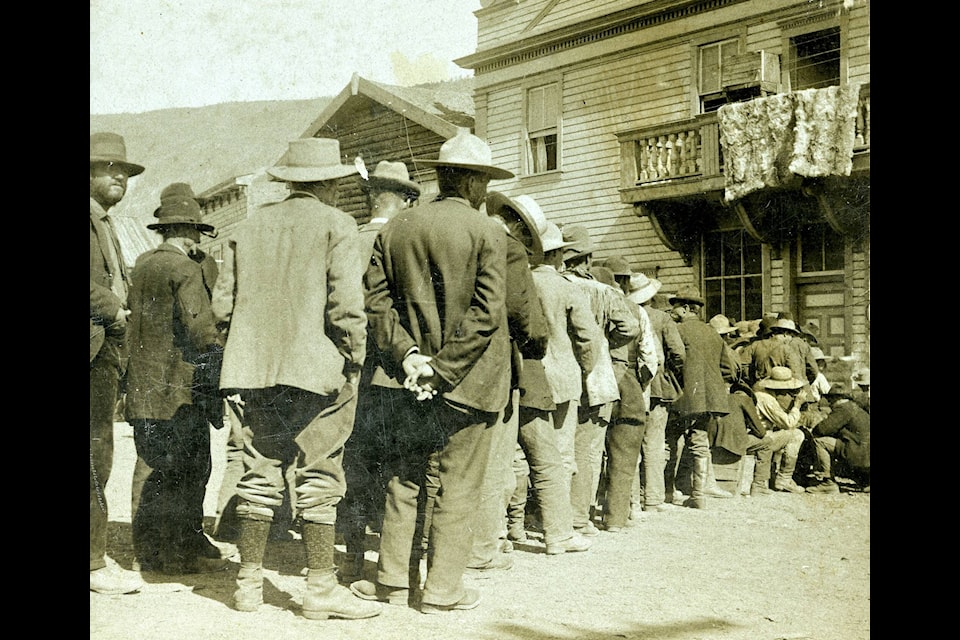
{"x":203,"y":145}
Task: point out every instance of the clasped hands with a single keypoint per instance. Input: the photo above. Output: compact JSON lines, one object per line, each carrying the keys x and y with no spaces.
{"x":421,"y":379}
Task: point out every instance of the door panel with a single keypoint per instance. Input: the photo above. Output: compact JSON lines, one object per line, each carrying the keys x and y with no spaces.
{"x":822,"y":305}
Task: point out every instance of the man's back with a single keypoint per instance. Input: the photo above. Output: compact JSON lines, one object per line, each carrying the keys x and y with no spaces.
{"x":294,"y":298}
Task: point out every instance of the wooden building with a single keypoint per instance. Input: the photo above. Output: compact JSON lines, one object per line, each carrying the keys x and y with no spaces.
{"x":372,"y":121}
{"x":691,"y":137}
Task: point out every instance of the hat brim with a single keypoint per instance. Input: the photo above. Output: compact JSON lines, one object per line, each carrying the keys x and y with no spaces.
{"x":495,"y":173}
{"x":132,"y":168}
{"x":311,"y":174}
{"x":676,"y":299}
{"x":646,"y":292}
{"x":789,"y":385}
{"x":559,"y":245}
{"x":391,"y":184}
{"x":202,"y":226}
{"x":497,"y":201}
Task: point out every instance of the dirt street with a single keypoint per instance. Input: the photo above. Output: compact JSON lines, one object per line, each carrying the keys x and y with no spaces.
{"x":779,"y":567}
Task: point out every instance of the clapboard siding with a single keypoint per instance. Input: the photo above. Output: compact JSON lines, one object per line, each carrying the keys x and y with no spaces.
{"x":764,"y":37}
{"x":858,"y":41}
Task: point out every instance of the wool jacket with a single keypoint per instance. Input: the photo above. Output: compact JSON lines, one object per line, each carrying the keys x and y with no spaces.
{"x":290,"y":289}
{"x":665,"y":387}
{"x":851,"y":426}
{"x":708,"y":367}
{"x":437,"y":283}
{"x":171,"y":331}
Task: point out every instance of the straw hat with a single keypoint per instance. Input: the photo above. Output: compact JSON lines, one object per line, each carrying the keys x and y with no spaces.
{"x":642,"y":288}
{"x":722,"y":324}
{"x":780,"y":378}
{"x":392,"y":176}
{"x":110,"y":147}
{"x":529,"y":213}
{"x":311,"y":160}
{"x":687,"y":293}
{"x":178,"y":205}
{"x":467,"y":151}
{"x":818,"y":354}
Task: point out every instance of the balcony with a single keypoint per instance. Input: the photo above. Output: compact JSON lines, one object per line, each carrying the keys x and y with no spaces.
{"x":684,"y":160}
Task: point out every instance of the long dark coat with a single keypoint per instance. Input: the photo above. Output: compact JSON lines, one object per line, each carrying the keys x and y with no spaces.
{"x":709,"y":364}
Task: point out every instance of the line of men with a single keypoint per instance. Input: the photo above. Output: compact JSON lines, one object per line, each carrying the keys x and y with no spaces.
{"x":395,"y":372}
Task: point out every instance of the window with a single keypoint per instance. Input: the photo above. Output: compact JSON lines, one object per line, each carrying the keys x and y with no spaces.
{"x":711,"y":58}
{"x":543,"y":128}
{"x":816,"y":59}
{"x":733,"y":275}
{"x":821,"y":249}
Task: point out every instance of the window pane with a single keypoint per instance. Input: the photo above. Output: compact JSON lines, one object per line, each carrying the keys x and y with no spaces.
{"x":551,"y":105}
{"x":713,"y":299}
{"x":731,"y":299}
{"x":731,"y":253}
{"x":550,"y":144}
{"x":832,"y":250}
{"x":535,"y":108}
{"x":753,"y":298}
{"x":752,"y":255}
{"x":817,"y":59}
{"x":711,"y":254}
{"x":710,"y":69}
{"x":811,"y":246}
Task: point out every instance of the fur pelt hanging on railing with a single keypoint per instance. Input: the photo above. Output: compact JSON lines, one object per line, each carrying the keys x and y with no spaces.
{"x":767,"y":140}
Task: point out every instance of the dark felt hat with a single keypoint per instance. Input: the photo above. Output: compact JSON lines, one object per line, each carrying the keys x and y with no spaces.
{"x":178,"y":205}
{"x":110,"y":147}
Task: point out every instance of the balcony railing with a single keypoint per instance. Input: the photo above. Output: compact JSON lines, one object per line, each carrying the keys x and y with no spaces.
{"x":682,"y":158}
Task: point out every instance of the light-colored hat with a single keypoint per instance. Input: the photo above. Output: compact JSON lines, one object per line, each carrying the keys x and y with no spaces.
{"x":578,"y":241}
{"x":552,"y":238}
{"x":784,"y":325}
{"x":530,"y":214}
{"x":642,"y":288}
{"x":392,"y":176}
{"x":721,"y":323}
{"x":687,"y":293}
{"x":862,"y":377}
{"x":311,"y":160}
{"x":467,"y":151}
{"x":619,"y":265}
{"x":818,"y":354}
{"x":178,"y":205}
{"x":110,"y":147}
{"x":780,"y":378}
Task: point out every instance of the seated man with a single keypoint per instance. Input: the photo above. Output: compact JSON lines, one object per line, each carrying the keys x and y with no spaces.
{"x":779,"y":398}
{"x":842,"y":437}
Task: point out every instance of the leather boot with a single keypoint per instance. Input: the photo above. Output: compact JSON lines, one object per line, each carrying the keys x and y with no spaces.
{"x":712,"y":489}
{"x":698,"y":482}
{"x":249,"y":593}
{"x":325,"y":598}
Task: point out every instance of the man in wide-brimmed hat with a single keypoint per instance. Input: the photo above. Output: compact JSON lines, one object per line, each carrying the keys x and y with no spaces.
{"x":615,"y":316}
{"x":528,"y":340}
{"x":622,"y":270}
{"x":779,"y":398}
{"x":709,"y":366}
{"x":290,"y":293}
{"x":448,"y":343}
{"x":172,"y":394}
{"x":389,"y":190}
{"x":842,"y":439}
{"x":109,"y":283}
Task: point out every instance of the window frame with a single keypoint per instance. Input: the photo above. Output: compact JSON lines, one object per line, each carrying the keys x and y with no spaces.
{"x":788,"y":57}
{"x":526,"y":149}
{"x":742,"y":277}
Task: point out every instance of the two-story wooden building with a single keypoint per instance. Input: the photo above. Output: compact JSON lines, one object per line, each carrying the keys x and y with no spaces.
{"x":724,"y":143}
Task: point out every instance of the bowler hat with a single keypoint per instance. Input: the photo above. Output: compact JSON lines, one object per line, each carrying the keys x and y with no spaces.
{"x":311,"y":160}
{"x":579,"y":239}
{"x":780,"y":378}
{"x":110,"y":147}
{"x":619,"y":265}
{"x":686,"y":293}
{"x":467,"y":151}
{"x":392,"y":176}
{"x":530,"y":214}
{"x":551,"y":237}
{"x":642,"y":288}
{"x":178,"y":205}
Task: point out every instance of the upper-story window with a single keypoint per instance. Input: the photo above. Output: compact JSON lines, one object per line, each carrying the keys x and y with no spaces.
{"x":815,"y":59}
{"x":542,"y":127}
{"x":711,"y":59}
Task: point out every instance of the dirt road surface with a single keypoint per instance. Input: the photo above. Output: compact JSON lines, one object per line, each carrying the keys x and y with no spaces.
{"x":783,"y":567}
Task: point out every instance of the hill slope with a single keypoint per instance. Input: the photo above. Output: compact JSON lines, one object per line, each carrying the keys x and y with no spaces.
{"x":203,"y":145}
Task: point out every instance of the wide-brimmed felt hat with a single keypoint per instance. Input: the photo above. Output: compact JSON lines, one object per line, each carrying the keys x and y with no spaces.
{"x":110,"y":147}
{"x":551,"y":237}
{"x":529,"y":213}
{"x":780,"y":378}
{"x":783,"y":325}
{"x":467,"y":151}
{"x":839,"y":388}
{"x":747,"y":328}
{"x":311,"y":160}
{"x":619,"y":265}
{"x":578,"y":239}
{"x":392,"y":176}
{"x":603,"y":274}
{"x":178,"y":205}
{"x":722,"y":324}
{"x":687,"y":293}
{"x":642,"y":288}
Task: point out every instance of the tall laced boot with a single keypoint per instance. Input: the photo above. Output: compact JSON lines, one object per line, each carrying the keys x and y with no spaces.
{"x":252,"y":544}
{"x":324,"y":597}
{"x":698,"y":483}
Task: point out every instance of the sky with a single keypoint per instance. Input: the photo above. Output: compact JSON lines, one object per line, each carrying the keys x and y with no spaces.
{"x":159,"y":54}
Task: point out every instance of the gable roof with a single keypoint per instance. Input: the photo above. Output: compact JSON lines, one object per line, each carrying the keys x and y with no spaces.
{"x":442,"y":107}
